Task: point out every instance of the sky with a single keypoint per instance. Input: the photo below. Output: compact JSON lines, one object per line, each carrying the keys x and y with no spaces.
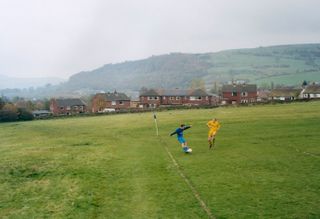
{"x":58,"y":38}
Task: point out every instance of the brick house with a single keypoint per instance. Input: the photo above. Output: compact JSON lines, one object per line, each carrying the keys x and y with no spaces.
{"x":67,"y":106}
{"x":115,"y":100}
{"x":285,"y":94}
{"x":239,"y":93}
{"x":174,"y":97}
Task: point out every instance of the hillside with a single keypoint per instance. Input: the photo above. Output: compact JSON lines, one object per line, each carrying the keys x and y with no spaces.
{"x":282,"y":65}
{"x":172,"y":70}
{"x":288,"y":64}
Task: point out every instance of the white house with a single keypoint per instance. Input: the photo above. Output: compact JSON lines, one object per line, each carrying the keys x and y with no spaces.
{"x":311,"y":92}
{"x":285,"y":94}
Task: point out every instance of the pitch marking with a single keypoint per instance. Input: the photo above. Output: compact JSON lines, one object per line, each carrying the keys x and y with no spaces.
{"x":193,"y":189}
{"x":307,"y":153}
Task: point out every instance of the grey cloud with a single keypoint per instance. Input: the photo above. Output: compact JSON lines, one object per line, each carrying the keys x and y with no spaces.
{"x":59,"y":38}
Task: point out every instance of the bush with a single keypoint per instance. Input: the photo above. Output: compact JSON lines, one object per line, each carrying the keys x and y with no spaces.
{"x":8,"y":116}
{"x":24,"y":115}
{"x":2,"y":103}
{"x":12,"y":116}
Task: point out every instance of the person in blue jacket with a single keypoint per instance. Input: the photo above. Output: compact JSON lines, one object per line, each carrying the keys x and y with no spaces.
{"x":180,"y":138}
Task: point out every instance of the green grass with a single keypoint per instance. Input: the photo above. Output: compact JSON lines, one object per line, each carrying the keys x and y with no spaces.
{"x":296,"y":79}
{"x":115,"y":166}
{"x":282,"y":65}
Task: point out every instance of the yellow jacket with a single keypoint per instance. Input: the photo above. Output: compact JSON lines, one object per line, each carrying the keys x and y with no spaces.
{"x":213,"y":125}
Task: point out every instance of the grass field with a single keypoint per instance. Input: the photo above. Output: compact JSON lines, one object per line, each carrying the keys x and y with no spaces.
{"x":266,"y":164}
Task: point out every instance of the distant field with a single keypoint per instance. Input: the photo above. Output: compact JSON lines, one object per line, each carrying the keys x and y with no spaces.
{"x":265,"y":165}
{"x":290,"y":78}
{"x":280,"y":65}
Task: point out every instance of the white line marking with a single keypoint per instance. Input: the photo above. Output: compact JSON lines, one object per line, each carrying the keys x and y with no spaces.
{"x":307,"y":153}
{"x":194,"y":191}
{"x":313,"y":155}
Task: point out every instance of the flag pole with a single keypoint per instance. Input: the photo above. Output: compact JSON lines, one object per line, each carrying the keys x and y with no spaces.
{"x":156,"y":123}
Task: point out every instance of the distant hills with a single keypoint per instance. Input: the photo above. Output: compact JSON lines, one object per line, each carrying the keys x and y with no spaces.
{"x":14,"y":82}
{"x":285,"y":64}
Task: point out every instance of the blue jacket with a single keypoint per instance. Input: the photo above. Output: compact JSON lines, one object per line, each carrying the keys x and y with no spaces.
{"x":179,"y":131}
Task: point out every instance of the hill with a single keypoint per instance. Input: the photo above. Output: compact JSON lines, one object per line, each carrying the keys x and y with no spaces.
{"x":265,"y":165}
{"x":279,"y":65}
{"x":287,"y":64}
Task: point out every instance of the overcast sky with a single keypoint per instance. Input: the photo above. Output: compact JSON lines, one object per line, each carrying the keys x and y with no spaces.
{"x":40,"y":38}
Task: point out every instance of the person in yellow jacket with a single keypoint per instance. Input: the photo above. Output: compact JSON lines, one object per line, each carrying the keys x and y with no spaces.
{"x":213,"y":126}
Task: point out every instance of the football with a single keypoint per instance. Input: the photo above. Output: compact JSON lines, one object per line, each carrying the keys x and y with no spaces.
{"x":189,"y":150}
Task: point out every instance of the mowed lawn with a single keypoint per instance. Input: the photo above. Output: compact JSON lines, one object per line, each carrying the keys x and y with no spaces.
{"x":266,"y":164}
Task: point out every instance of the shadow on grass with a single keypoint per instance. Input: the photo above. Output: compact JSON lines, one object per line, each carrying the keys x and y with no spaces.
{"x":27,"y":172}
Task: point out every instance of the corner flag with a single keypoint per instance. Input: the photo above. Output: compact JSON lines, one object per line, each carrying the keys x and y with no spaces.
{"x":156,"y":123}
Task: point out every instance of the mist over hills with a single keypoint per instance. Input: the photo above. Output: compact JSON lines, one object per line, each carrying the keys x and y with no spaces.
{"x":287,"y":64}
{"x":20,"y":83}
{"x":173,"y":70}
{"x":284,"y":64}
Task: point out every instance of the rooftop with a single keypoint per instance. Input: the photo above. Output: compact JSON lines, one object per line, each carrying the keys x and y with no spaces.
{"x":70,"y":102}
{"x":174,"y":92}
{"x":239,"y":88}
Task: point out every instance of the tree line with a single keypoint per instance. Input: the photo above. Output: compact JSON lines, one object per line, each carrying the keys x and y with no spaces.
{"x":18,"y":109}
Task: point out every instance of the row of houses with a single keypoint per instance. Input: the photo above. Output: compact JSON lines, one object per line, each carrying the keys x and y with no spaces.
{"x":164,"y":97}
{"x":153,"y":98}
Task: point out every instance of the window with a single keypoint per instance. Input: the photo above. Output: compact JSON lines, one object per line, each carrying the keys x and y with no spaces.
{"x":244,"y":94}
{"x":234,"y":93}
{"x":195,"y":98}
{"x":113,"y":103}
{"x":121,"y":102}
{"x":244,"y":101}
{"x":177,"y":98}
{"x":153,"y":98}
{"x":164,"y":98}
{"x":171,"y":98}
{"x":75,"y":107}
